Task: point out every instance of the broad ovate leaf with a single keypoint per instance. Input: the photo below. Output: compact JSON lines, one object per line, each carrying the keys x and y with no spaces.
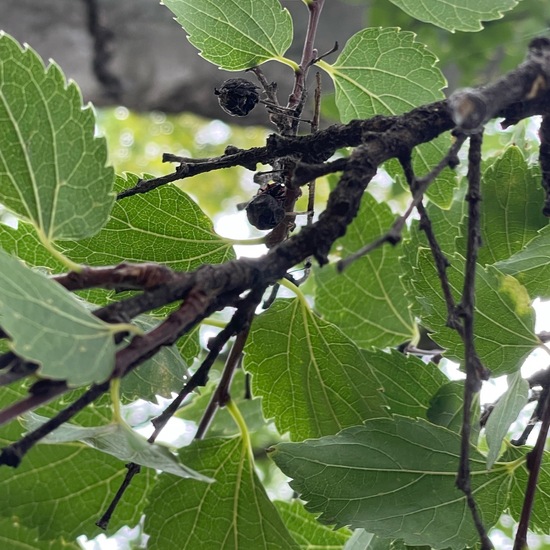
{"x":234,"y":512}
{"x":367,"y":301}
{"x":394,"y":477}
{"x":235,"y":34}
{"x":47,"y":325}
{"x":52,"y":167}
{"x":384,"y":71}
{"x":456,"y":15}
{"x":163,"y":226}
{"x":313,"y":379}
{"x":511,"y":213}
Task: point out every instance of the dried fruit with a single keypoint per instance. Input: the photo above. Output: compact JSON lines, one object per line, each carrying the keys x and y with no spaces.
{"x":237,"y":96}
{"x":266,"y":209}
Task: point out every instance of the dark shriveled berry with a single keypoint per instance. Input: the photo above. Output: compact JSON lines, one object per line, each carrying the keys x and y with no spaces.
{"x":265,"y":212}
{"x":237,"y":96}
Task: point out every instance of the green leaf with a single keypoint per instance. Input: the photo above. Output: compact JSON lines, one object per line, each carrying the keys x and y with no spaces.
{"x":383,"y":71}
{"x":307,"y":531}
{"x":504,"y":319}
{"x":62,"y":490}
{"x":395,"y":478}
{"x":540,"y":515}
{"x":14,"y":536}
{"x":456,"y":15}
{"x":407,"y":382}
{"x":235,"y":34}
{"x":504,"y":414}
{"x":223,"y":423}
{"x":47,"y":325}
{"x":447,"y":409}
{"x":446,"y":227}
{"x":313,"y":379}
{"x":367,"y":301}
{"x":233,"y":513}
{"x":52,"y":167}
{"x":119,"y":441}
{"x":446,"y":406}
{"x":530,"y":266}
{"x":511,"y":213}
{"x":161,"y":375}
{"x":163,"y":226}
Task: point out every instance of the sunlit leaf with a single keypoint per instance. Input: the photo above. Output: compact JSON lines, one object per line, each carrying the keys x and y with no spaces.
{"x":396,"y":478}
{"x":385,"y":71}
{"x":235,"y":34}
{"x":456,"y":15}
{"x":52,"y":167}
{"x":47,"y":325}
{"x":233,"y":513}
{"x":118,"y":441}
{"x":504,"y":413}
{"x":367,"y":301}
{"x":313,"y":379}
{"x":164,"y":226}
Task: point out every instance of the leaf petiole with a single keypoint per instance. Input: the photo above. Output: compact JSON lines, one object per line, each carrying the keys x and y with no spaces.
{"x":239,"y":420}
{"x":299,"y":294}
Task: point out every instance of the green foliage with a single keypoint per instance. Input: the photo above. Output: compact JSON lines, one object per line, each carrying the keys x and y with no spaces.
{"x":505,"y":412}
{"x":238,"y":34}
{"x":312,"y":378}
{"x":384,"y":71}
{"x":48,"y":326}
{"x":233,"y":512}
{"x":456,"y":15}
{"x":505,"y":319}
{"x":52,"y":168}
{"x":374,"y":430}
{"x":59,"y":490}
{"x":394,"y":477}
{"x":375,"y":311}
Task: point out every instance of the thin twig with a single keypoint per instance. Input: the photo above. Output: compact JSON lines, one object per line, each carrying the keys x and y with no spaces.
{"x":475,"y":372}
{"x":534,"y":461}
{"x":418,"y":188}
